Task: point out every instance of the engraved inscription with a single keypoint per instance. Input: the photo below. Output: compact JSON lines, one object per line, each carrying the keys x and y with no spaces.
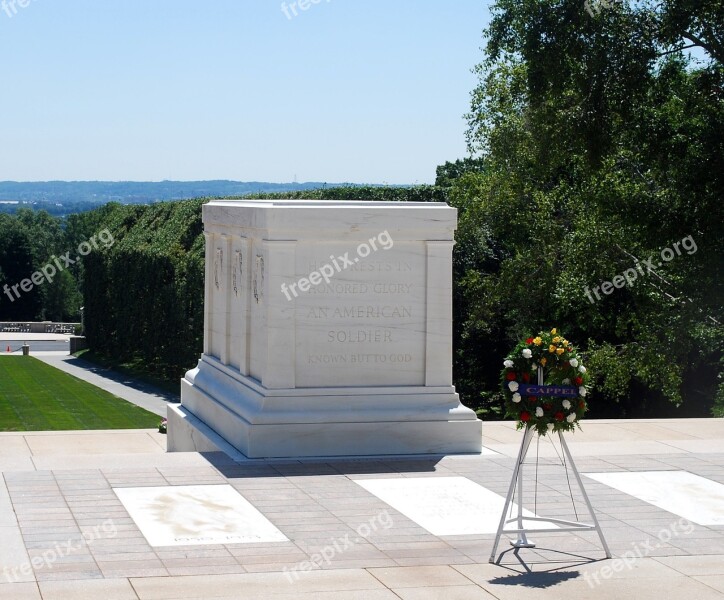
{"x":359,"y":312}
{"x":368,"y":324}
{"x":361,"y":288}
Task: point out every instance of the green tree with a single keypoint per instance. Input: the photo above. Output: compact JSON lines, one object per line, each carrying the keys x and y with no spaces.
{"x":16,"y":265}
{"x":450,"y":172}
{"x":602,"y":146}
{"x":62,"y":300}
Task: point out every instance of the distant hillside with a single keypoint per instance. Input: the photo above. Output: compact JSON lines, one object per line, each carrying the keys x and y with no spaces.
{"x":64,"y":197}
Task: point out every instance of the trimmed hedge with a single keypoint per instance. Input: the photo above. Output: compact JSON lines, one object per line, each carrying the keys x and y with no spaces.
{"x":144,"y":296}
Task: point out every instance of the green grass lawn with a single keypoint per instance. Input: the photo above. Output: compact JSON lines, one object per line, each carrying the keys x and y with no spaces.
{"x":36,"y":397}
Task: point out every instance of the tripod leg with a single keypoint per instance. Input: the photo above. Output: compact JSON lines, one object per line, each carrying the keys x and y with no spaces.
{"x":522,"y":541}
{"x":516,"y":471}
{"x":585,"y":495}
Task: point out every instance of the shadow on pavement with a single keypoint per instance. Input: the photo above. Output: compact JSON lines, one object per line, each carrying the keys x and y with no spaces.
{"x":116,"y":377}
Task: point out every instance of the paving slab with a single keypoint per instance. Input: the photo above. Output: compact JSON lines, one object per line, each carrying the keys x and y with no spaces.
{"x":695,"y":565}
{"x":15,"y":455}
{"x":337,"y":546}
{"x":254,"y":585}
{"x":461,"y":592}
{"x":19,"y":591}
{"x":415,"y":577}
{"x":93,"y":443}
{"x":715,"y":582}
{"x":14,"y":559}
{"x":106,"y":589}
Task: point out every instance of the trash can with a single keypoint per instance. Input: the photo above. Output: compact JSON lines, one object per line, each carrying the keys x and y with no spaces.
{"x":26,"y":350}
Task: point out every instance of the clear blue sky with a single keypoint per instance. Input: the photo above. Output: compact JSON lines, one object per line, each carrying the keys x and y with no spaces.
{"x":145,"y":90}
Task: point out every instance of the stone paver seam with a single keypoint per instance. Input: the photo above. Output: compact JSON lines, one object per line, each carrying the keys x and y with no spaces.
{"x":31,"y":456}
{"x":133,"y":587}
{"x":692,"y":578}
{"x":10,"y":498}
{"x":12,"y":504}
{"x":168,"y":483}
{"x":644,"y":535}
{"x":609,"y":461}
{"x":238,"y":559}
{"x":390,"y":508}
{"x":72,"y":512}
{"x":473,"y":583}
{"x":297,"y":545}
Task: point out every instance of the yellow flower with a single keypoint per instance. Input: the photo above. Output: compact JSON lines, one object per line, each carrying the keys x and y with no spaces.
{"x":543,"y":361}
{"x":551,"y":348}
{"x":537,"y":341}
{"x":556,"y":339}
{"x":560,"y":351}
{"x":553,"y":331}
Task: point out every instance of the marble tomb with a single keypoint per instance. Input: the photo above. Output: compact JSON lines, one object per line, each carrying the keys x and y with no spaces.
{"x":328,"y":332}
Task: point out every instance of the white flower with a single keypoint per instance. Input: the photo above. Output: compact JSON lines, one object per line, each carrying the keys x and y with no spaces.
{"x":516,"y":397}
{"x":582,"y":369}
{"x":574,"y":362}
{"x":508,"y":364}
{"x":513,"y":386}
{"x":582,"y":391}
{"x":550,"y":426}
{"x":534,"y":366}
{"x":570,"y":418}
{"x":527,"y":353}
{"x":566,"y":382}
{"x":539,"y":412}
{"x":566,"y":404}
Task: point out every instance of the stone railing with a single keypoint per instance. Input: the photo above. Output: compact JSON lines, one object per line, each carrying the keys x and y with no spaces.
{"x":44,"y":327}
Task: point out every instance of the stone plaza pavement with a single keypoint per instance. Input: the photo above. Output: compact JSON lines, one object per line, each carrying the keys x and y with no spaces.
{"x":58,"y":509}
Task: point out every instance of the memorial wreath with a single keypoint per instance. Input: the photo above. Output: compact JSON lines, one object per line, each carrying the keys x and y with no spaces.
{"x":556,"y":400}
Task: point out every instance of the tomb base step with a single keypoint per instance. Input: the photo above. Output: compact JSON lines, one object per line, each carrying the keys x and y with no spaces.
{"x":204,"y":424}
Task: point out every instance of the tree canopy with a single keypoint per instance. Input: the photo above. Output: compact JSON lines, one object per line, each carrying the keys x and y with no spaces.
{"x":602,"y":145}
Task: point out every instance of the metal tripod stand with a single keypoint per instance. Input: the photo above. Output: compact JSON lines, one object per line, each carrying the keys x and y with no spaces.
{"x":520,"y":530}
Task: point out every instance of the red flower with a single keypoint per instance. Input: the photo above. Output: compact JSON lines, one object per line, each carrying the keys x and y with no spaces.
{"x":529,"y":341}
{"x":526,"y":377}
{"x":578,"y":380}
{"x":532,"y":399}
{"x":560,"y":416}
{"x":511,"y":376}
{"x":582,"y":404}
{"x":525,"y":416}
{"x":547,"y":406}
